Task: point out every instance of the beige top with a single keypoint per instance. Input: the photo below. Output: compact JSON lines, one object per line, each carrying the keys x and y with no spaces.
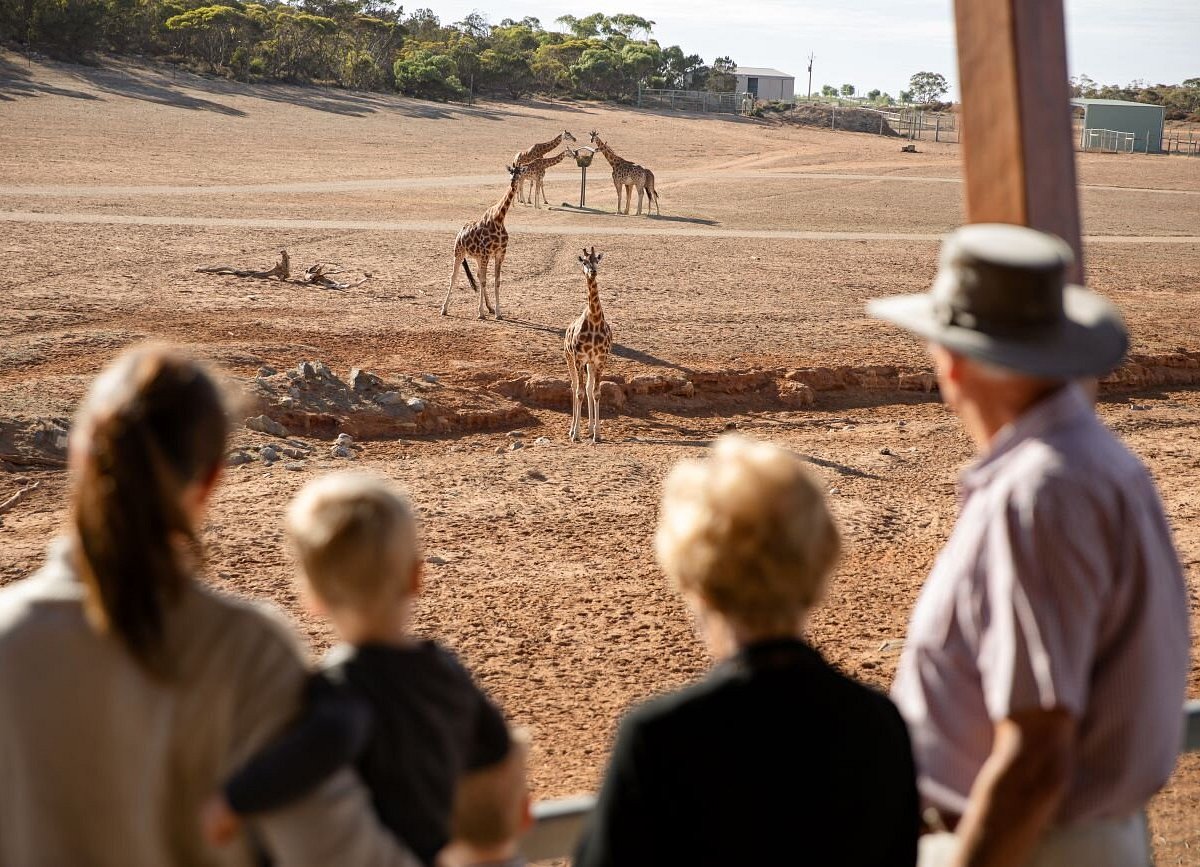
{"x":100,"y":764}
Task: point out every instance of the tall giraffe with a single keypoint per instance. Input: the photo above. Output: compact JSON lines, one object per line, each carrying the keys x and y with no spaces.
{"x":535,"y":176}
{"x":587,"y":345}
{"x":482,"y":240}
{"x":628,"y":175}
{"x":540,"y":150}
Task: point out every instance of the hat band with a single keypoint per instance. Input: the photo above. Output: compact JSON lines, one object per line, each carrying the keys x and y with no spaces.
{"x":947,"y":314}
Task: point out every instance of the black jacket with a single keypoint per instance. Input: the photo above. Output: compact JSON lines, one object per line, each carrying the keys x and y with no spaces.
{"x":774,"y":758}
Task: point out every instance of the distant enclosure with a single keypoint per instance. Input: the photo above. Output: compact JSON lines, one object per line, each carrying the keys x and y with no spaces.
{"x":691,"y":100}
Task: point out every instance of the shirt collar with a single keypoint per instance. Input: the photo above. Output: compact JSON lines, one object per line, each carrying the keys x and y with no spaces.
{"x":1066,"y":407}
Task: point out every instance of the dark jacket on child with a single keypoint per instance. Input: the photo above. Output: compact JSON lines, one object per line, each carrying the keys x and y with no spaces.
{"x":410,"y":719}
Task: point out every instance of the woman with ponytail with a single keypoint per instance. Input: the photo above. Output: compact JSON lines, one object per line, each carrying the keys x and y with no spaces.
{"x":128,"y":690}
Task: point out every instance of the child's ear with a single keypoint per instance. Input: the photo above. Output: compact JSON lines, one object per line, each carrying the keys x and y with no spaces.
{"x":418,"y":576}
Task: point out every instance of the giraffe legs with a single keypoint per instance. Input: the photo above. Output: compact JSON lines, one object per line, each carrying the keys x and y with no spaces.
{"x":483,"y":299}
{"x":453,"y":280}
{"x":641,"y":190}
{"x":499,"y":262}
{"x":535,"y":186}
{"x":542,"y":187}
{"x":573,"y":368}
{"x":628,"y":198}
{"x":617,"y":184}
{"x":593,"y":399}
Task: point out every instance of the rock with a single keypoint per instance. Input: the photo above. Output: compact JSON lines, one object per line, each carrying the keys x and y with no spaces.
{"x":266,"y":371}
{"x":612,"y":395}
{"x":340,"y":451}
{"x":515,"y":445}
{"x":500,"y":450}
{"x":516,"y":433}
{"x":731,"y":425}
{"x":293,"y":466}
{"x":268,"y":455}
{"x":793,"y":393}
{"x":390,"y":398}
{"x":536,"y":475}
{"x":344,"y":439}
{"x":266,"y":424}
{"x":294,"y":453}
{"x":687,"y":388}
{"x":430,"y":378}
{"x":834,"y":490}
{"x":434,"y":560}
{"x":885,"y":451}
{"x":300,"y":444}
{"x":415,"y":404}
{"x":365,"y":382}
{"x":917,"y":382}
{"x":238,"y":457}
{"x":542,"y":441}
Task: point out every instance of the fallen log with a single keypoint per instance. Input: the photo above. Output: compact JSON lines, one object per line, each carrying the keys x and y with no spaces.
{"x":12,"y":501}
{"x":281,"y":271}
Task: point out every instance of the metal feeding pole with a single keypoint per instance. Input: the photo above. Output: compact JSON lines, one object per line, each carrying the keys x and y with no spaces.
{"x":583,"y":160}
{"x":811,"y":57}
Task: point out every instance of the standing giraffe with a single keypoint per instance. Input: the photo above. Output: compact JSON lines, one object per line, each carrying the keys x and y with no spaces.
{"x":535,"y":176}
{"x":482,"y":240}
{"x":540,"y":150}
{"x":587,"y":345}
{"x":627,"y":176}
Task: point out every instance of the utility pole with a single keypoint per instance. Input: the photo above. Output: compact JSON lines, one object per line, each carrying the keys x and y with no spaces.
{"x":811,"y":57}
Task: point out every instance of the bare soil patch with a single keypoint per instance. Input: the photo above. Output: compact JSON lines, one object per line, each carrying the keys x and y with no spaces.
{"x":540,"y":565}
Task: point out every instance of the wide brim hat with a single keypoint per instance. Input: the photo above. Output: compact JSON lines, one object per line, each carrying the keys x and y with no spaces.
{"x":1000,"y":296}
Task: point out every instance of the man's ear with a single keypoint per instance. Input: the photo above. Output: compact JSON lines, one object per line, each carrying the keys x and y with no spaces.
{"x":526,"y":813}
{"x":418,"y":577}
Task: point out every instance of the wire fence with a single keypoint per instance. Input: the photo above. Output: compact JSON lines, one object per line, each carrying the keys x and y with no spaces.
{"x":1110,"y":141}
{"x":691,"y":100}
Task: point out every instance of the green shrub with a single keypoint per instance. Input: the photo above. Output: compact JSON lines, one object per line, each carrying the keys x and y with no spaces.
{"x":431,"y":76}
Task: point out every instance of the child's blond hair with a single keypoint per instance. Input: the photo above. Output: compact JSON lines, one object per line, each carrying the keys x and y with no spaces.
{"x":355,"y":537}
{"x":747,"y":530}
{"x":491,"y":804}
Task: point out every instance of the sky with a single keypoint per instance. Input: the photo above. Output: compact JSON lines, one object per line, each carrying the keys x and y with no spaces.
{"x":880,"y":43}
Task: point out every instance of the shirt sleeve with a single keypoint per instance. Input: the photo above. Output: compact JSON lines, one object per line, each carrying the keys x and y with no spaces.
{"x":491,"y":741}
{"x":1039,"y":590}
{"x":333,"y":824}
{"x":621,"y":831}
{"x":330,"y":733}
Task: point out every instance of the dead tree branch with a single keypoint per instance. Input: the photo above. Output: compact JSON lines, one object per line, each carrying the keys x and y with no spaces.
{"x":12,"y":501}
{"x":281,"y":271}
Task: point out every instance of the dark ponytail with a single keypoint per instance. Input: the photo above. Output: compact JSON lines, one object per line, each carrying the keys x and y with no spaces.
{"x":152,"y":425}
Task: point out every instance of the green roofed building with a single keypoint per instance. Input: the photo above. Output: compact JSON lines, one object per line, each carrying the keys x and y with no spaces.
{"x":1116,"y":125}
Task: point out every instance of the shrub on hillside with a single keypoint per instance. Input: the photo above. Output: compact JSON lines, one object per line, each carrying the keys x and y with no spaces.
{"x":430,"y":76}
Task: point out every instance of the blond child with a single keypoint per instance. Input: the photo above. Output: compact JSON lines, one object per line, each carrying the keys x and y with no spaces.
{"x":491,"y":813}
{"x":403,"y":711}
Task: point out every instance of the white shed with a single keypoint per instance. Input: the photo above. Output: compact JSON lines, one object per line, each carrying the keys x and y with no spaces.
{"x":765,"y":83}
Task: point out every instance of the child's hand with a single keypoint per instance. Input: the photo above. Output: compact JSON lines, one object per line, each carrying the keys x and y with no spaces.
{"x":218,"y":823}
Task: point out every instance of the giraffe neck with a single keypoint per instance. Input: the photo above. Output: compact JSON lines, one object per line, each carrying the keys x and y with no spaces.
{"x":594,"y":313}
{"x":609,"y":153}
{"x":500,"y":209}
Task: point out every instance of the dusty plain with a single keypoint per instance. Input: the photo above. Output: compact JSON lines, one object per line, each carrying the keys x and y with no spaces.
{"x":117,"y":182}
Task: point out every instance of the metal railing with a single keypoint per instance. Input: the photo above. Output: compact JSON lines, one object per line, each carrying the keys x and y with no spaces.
{"x":558,"y":823}
{"x":1112,"y":141}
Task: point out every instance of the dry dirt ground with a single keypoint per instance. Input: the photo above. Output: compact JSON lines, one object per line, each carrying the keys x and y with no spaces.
{"x":117,"y":182}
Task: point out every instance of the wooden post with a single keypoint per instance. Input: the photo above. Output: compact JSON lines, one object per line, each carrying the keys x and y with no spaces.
{"x":1017,"y":150}
{"x":937,"y":128}
{"x":583,"y":188}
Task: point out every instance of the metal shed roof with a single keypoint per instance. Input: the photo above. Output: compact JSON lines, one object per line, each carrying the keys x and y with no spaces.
{"x":1084,"y":103}
{"x":761,"y":72}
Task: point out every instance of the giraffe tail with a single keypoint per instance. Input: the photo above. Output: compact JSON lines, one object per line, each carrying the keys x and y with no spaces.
{"x":470,"y":276}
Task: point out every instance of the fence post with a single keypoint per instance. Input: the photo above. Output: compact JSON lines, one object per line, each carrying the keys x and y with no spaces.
{"x":937,"y":128}
{"x":881,"y":123}
{"x":833,"y":118}
{"x":639,"y":94}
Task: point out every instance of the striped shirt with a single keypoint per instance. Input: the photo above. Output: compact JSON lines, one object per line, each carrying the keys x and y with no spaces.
{"x":1059,"y":587}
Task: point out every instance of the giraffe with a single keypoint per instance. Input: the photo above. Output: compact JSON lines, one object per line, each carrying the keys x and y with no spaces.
{"x":627,"y":176}
{"x":482,"y":240}
{"x":540,"y":150}
{"x":535,"y":174}
{"x":587,"y":345}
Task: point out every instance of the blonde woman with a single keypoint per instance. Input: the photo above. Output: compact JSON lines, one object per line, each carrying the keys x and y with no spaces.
{"x":774,"y":757}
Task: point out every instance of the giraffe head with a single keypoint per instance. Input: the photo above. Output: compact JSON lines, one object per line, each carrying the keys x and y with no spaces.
{"x":595,"y":138}
{"x":516,"y":171}
{"x":566,"y":136}
{"x":590,"y":261}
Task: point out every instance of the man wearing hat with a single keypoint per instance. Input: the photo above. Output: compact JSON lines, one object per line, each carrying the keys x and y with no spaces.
{"x":1044,"y":673}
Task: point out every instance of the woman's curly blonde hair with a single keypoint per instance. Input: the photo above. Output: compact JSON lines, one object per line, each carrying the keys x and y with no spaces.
{"x":748,"y":532}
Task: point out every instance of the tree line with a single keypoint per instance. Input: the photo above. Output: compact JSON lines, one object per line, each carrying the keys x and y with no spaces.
{"x":371,"y":45}
{"x":1181,"y":101}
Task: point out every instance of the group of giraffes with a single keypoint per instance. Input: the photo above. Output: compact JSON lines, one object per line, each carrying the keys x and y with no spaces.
{"x":588,"y":340}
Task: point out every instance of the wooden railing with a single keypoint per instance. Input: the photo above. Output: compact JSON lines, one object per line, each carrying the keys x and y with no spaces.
{"x":558,"y":823}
